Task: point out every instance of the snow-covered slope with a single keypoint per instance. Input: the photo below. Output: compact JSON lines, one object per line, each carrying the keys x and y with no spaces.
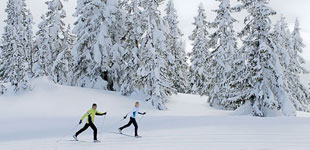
{"x":37,"y":120}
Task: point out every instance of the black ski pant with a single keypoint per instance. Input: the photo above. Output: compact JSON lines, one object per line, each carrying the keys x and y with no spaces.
{"x":90,"y":124}
{"x":131,"y":121}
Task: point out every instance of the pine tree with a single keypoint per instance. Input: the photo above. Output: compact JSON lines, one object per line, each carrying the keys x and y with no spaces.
{"x":152,"y":75}
{"x":178,"y":68}
{"x":115,"y":17}
{"x":281,"y":37}
{"x":132,"y":44}
{"x":291,"y":65}
{"x":50,"y":36}
{"x":62,"y":66}
{"x":298,"y":45}
{"x":93,"y":45}
{"x":29,"y":42}
{"x":40,"y":46}
{"x":16,"y":46}
{"x":299,"y":93}
{"x":224,"y":43}
{"x":200,"y":56}
{"x":263,"y":78}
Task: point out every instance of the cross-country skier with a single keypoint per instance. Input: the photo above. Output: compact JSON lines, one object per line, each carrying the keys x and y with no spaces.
{"x":133,"y":113}
{"x":90,"y":122}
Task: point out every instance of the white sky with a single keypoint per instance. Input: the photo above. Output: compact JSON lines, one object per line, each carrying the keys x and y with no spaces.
{"x":187,"y":9}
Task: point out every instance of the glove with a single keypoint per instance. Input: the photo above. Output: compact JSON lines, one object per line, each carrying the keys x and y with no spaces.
{"x":125,"y":117}
{"x":80,"y":122}
{"x":144,"y":113}
{"x":105,"y":113}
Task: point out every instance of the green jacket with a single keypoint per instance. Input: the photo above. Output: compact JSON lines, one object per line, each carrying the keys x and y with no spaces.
{"x":91,"y":113}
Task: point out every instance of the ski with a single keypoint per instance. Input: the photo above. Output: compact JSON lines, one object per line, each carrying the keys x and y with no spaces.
{"x":78,"y":141}
{"x":124,"y":134}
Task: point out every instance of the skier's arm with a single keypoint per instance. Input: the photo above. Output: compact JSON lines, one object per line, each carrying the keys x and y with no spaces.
{"x":100,"y":113}
{"x":140,"y":113}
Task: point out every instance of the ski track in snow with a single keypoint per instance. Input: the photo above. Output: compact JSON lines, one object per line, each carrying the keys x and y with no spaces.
{"x":38,"y":119}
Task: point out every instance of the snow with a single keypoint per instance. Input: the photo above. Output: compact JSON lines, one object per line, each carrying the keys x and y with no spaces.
{"x":36,"y":120}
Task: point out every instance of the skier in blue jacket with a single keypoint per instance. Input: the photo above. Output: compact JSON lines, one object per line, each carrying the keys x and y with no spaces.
{"x":133,"y":113}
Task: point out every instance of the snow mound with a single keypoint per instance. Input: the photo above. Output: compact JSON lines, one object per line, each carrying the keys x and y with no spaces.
{"x":247,"y":110}
{"x":43,"y":84}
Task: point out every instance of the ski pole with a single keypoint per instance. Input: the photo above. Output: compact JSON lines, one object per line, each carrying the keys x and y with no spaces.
{"x":103,"y":126}
{"x":140,"y":119}
{"x":68,"y":133}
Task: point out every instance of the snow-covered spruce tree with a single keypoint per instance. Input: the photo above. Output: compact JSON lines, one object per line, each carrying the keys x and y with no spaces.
{"x":200,"y":56}
{"x":40,"y":53}
{"x":62,"y":66}
{"x":299,"y":93}
{"x":152,"y":75}
{"x":29,"y":42}
{"x":16,"y":46}
{"x":93,"y":45}
{"x":178,"y":69}
{"x":132,"y":41}
{"x":235,"y":82}
{"x":115,"y":20}
{"x":263,"y":79}
{"x":224,"y":43}
{"x":281,"y":37}
{"x":289,"y":60}
{"x":50,"y":37}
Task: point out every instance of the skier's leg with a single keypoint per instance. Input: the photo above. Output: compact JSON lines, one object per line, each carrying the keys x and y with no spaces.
{"x":82,"y":130}
{"x":136,"y":126}
{"x":95,"y":130}
{"x":127,"y":125}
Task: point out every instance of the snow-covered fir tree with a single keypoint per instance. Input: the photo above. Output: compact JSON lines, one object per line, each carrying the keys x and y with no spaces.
{"x":297,"y":47}
{"x":132,"y":41}
{"x":281,"y":37}
{"x":115,"y":19}
{"x":39,"y":54}
{"x":289,"y":59}
{"x":93,"y":45}
{"x":152,"y":75}
{"x":299,"y":93}
{"x":50,"y":38}
{"x":263,"y":79}
{"x":62,"y":66}
{"x":29,"y":42}
{"x":16,"y":46}
{"x":200,"y":56}
{"x":178,"y":69}
{"x":224,"y":43}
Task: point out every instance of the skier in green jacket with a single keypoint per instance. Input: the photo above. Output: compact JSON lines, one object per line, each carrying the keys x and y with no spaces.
{"x":90,"y":122}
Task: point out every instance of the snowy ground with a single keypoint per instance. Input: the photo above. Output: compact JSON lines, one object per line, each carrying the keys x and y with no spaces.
{"x":37,"y":120}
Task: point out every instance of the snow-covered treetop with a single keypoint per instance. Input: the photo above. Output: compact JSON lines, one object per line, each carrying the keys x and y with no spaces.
{"x":200,"y":23}
{"x":297,"y":48}
{"x":223,"y":24}
{"x":224,"y":14}
{"x":258,"y":20}
{"x":172,"y":19}
{"x":298,"y":39}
